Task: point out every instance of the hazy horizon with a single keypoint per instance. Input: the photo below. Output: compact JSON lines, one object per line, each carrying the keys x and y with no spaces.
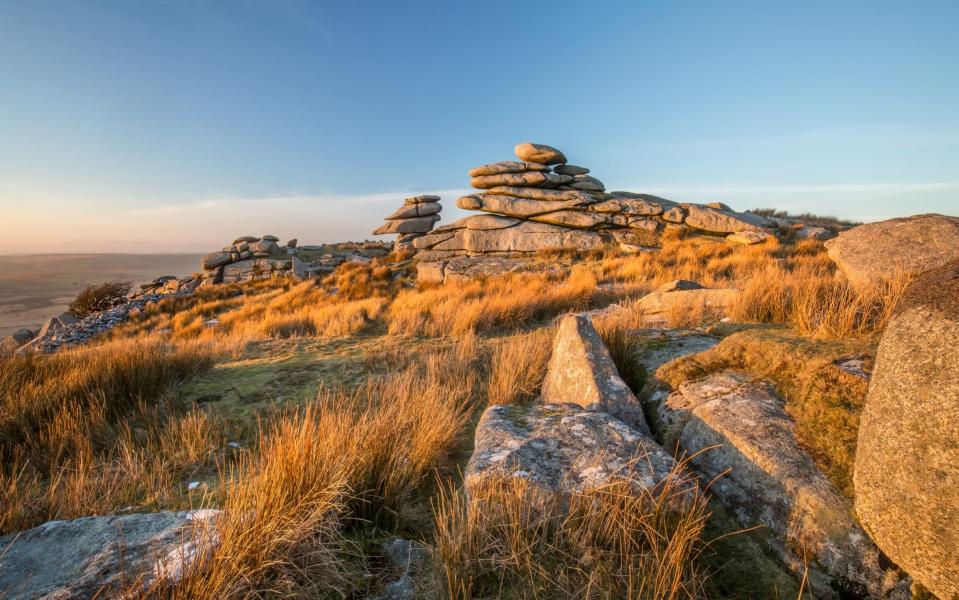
{"x":174,"y":126}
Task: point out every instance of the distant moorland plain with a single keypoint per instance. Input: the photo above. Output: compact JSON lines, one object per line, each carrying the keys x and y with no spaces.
{"x":34,"y":287}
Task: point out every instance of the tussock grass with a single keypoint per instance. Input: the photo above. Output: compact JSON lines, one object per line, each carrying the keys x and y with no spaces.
{"x":507,"y":540}
{"x":344,"y":461}
{"x":91,"y":430}
{"x":518,"y":367}
{"x":506,"y":302}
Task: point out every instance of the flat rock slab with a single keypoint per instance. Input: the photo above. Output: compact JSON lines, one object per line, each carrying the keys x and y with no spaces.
{"x":581,"y":372}
{"x":467,"y":268}
{"x":409,"y":211}
{"x":75,"y":559}
{"x":739,"y":434}
{"x":907,"y":457}
{"x":720,"y":220}
{"x":410,"y":225}
{"x":514,"y":206}
{"x":563,"y":449}
{"x":873,"y":252}
{"x":539,"y":153}
{"x":658,"y":306}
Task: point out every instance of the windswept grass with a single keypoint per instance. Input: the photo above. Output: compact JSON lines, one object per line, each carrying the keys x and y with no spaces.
{"x":508,"y":302}
{"x":91,"y":430}
{"x":507,"y":540}
{"x":343,"y":462}
{"x":518,"y":367}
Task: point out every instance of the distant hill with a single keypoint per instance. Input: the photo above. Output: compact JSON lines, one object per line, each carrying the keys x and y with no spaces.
{"x":34,"y":287}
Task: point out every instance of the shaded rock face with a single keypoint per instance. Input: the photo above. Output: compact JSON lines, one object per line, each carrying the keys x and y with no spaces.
{"x":767,"y":479}
{"x":582,"y":372}
{"x":907,"y":459}
{"x":563,"y":449}
{"x":873,"y":252}
{"x":75,"y":559}
{"x":542,"y":188}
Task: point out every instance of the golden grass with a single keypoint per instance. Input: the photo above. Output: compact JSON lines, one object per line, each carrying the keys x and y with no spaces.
{"x":509,"y":301}
{"x":518,"y":367}
{"x":506,"y":540}
{"x":343,"y":461}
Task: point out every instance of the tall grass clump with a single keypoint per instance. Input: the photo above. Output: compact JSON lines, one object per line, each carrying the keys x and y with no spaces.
{"x":518,"y":367}
{"x":506,"y":302}
{"x":506,"y":539}
{"x":67,"y":444}
{"x":347,"y":461}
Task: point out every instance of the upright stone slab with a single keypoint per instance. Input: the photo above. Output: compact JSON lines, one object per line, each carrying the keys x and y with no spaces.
{"x":907,"y":458}
{"x":581,"y":371}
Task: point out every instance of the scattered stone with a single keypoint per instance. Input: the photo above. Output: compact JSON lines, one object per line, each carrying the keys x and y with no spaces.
{"x":820,"y":234}
{"x":678,"y":285}
{"x":9,"y":344}
{"x":907,"y":458}
{"x":581,"y":371}
{"x":86,"y":557}
{"x":874,"y":252}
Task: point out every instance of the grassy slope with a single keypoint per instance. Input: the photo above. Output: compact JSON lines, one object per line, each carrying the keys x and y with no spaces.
{"x":278,"y":344}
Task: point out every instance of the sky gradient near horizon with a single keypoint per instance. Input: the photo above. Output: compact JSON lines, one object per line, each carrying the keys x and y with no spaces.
{"x":176,"y":125}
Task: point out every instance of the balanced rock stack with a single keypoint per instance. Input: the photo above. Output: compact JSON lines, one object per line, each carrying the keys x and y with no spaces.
{"x":412,"y":220}
{"x":542,"y":202}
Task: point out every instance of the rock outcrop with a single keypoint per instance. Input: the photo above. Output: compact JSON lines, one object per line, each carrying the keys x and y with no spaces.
{"x":542,"y":202}
{"x":244,"y":257}
{"x":739,"y":434}
{"x":582,"y":372}
{"x":684,"y":299}
{"x":9,"y":344}
{"x":571,"y":442}
{"x":907,"y":458}
{"x":874,"y":252}
{"x":412,"y":220}
{"x":93,"y":556}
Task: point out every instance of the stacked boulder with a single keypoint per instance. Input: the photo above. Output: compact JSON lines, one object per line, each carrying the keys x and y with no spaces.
{"x":412,"y":220}
{"x":246,"y":258}
{"x":542,"y":202}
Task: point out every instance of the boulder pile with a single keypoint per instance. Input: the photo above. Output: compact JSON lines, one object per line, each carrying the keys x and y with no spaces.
{"x":247,"y":258}
{"x":542,"y":202}
{"x":412,"y":220}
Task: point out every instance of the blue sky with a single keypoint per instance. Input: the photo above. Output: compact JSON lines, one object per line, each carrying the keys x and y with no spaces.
{"x":170,"y":125}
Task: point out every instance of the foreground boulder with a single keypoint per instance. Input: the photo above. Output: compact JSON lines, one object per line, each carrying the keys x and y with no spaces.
{"x":10,"y":343}
{"x":907,"y":458}
{"x":685,"y":301}
{"x":873,"y":252}
{"x":740,"y":437}
{"x":87,"y":556}
{"x":581,"y":371}
{"x":564,"y":449}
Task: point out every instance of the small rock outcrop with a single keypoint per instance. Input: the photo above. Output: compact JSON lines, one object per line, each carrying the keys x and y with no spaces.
{"x":412,"y":220}
{"x":541,"y":202}
{"x":740,"y":436}
{"x":10,"y":343}
{"x":682,"y":297}
{"x":873,"y":252}
{"x":84,"y":557}
{"x":907,"y":459}
{"x":248,"y":257}
{"x":582,"y":372}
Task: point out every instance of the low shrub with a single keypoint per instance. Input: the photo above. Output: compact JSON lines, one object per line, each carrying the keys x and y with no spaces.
{"x":95,"y":298}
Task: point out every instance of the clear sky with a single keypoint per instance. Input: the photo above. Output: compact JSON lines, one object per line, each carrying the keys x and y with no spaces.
{"x":149,"y":125}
